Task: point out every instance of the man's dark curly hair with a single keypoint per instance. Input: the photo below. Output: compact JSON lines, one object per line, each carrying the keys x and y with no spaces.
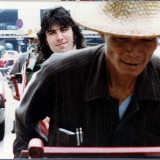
{"x":59,"y":16}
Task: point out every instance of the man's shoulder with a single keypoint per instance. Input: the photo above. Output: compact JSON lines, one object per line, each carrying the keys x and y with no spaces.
{"x":73,"y":59}
{"x":88,"y":52}
{"x":156,"y":61}
{"x":22,"y":56}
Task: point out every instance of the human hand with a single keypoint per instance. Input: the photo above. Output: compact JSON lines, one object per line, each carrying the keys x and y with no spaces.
{"x":16,"y":97}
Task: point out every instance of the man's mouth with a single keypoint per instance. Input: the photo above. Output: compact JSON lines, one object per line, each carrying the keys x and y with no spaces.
{"x":131,"y":64}
{"x":60,"y":44}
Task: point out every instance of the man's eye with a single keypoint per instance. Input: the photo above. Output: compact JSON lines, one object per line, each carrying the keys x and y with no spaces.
{"x":121,"y":39}
{"x":64,"y":29}
{"x":51,"y":32}
{"x":147,"y":40}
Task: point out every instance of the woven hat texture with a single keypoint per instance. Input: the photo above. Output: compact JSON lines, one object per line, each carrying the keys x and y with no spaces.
{"x":120,"y":18}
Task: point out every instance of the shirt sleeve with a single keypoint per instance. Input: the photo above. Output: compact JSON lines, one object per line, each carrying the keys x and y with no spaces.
{"x":16,"y":68}
{"x":36,"y":104}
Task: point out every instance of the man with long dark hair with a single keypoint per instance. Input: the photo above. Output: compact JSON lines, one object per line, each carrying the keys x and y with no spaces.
{"x":58,"y":33}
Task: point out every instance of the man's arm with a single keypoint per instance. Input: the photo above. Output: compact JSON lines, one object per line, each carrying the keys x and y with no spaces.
{"x":16,"y":68}
{"x":35,"y":106}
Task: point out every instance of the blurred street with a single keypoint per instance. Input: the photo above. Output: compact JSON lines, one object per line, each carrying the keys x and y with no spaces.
{"x":10,"y":106}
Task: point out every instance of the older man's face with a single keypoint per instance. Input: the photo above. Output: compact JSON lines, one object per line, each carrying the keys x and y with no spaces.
{"x":129,"y":56}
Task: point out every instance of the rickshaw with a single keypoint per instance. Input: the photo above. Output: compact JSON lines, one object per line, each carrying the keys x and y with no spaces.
{"x":18,"y":77}
{"x":36,"y":149}
{"x":22,"y":78}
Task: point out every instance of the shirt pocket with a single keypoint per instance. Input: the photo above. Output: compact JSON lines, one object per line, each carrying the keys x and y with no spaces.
{"x":65,"y":139}
{"x":152,"y":140}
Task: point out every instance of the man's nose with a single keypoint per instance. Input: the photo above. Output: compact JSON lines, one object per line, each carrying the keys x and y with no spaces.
{"x":59,"y":36}
{"x":134,"y":50}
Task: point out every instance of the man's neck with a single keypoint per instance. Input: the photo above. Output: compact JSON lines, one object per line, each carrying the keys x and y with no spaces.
{"x":120,"y":86}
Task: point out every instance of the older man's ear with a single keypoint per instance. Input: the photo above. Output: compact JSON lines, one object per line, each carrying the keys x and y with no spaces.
{"x":102,"y":36}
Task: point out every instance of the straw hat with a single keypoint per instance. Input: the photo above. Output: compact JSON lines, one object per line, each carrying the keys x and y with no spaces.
{"x":120,"y":18}
{"x":32,"y":33}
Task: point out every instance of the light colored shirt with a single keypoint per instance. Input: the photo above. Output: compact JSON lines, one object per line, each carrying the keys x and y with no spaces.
{"x":124,"y":105}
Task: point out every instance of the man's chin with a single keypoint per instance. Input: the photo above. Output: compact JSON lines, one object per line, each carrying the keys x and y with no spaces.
{"x":64,"y":50}
{"x":61,"y":50}
{"x":131,"y":74}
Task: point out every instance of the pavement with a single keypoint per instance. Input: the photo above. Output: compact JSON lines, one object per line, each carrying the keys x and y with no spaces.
{"x":6,"y":145}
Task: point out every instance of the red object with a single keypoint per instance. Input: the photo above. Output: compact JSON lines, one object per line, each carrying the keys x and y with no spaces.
{"x":36,"y":149}
{"x":3,"y":63}
{"x":24,"y":76}
{"x":16,"y":88}
{"x":44,"y":130}
{"x":19,"y":23}
{"x":13,"y":78}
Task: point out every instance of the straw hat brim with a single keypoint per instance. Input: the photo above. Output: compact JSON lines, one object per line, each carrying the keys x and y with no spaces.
{"x":31,"y":36}
{"x":123,"y":19}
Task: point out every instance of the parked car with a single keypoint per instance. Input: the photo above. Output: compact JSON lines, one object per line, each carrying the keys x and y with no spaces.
{"x":2,"y":108}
